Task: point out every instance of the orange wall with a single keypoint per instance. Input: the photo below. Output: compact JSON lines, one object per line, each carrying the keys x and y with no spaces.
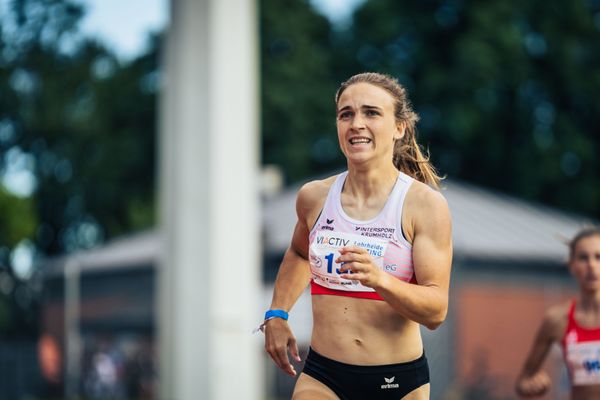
{"x":495,"y":327}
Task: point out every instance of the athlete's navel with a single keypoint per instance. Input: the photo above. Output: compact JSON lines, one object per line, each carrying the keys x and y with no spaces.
{"x":358,"y":342}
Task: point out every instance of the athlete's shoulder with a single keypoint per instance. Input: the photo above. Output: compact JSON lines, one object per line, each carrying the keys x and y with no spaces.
{"x":425,"y":205}
{"x":426,"y":196}
{"x":311,"y":197}
{"x":315,"y":191}
{"x":555,"y":319}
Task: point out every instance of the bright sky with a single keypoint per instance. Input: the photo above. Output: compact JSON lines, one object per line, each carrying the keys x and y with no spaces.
{"x":124,"y":24}
{"x":338,"y":11}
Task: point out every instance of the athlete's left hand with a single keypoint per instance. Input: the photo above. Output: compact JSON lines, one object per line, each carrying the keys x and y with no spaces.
{"x":357,"y":265}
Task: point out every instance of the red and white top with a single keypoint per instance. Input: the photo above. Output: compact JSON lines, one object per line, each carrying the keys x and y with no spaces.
{"x":381,"y":236}
{"x":581,"y":349}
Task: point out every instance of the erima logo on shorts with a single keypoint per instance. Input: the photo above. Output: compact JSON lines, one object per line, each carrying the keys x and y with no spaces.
{"x":389,"y":383}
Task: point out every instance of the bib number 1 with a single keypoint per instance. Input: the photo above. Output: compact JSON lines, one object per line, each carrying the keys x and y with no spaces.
{"x":329,"y":258}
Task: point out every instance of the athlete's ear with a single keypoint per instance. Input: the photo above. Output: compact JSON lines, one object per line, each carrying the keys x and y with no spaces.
{"x":400,"y":129}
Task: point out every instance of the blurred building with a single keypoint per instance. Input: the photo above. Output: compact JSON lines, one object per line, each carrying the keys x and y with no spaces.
{"x":509,"y":266}
{"x":98,"y":307}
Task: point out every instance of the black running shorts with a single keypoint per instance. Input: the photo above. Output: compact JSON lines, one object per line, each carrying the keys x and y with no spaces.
{"x":373,"y":382}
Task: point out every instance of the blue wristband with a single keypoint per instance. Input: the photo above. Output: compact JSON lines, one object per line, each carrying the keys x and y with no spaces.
{"x":276,"y":314}
{"x":270,"y":315}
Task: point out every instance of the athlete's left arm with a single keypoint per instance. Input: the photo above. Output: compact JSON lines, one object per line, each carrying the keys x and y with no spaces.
{"x":427,"y":302}
{"x":431,"y":233}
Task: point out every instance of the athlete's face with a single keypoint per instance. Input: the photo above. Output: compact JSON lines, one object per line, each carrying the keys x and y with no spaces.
{"x":366,"y":124}
{"x":585,"y":263}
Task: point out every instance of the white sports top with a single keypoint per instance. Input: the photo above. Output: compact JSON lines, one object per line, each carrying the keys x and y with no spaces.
{"x":381,"y":236}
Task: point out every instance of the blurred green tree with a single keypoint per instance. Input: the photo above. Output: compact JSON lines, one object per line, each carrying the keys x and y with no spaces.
{"x":18,"y":219}
{"x":80,"y":124}
{"x":17,"y":308}
{"x":507,"y":90}
{"x":88,"y":121}
{"x":298,"y":83}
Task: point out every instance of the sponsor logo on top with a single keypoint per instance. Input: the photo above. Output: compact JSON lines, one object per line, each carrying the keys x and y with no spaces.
{"x":332,"y":240}
{"x":327,"y":227}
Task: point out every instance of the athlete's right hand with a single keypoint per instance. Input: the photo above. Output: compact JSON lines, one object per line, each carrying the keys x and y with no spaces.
{"x":533,"y":386}
{"x":278,"y":339}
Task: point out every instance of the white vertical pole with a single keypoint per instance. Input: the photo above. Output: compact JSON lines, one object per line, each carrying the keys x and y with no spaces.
{"x":72,"y":337}
{"x":234,"y":199}
{"x":209,"y":278}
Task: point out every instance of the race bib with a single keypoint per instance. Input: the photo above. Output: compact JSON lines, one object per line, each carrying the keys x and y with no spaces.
{"x":324,"y":250}
{"x":584,"y":362}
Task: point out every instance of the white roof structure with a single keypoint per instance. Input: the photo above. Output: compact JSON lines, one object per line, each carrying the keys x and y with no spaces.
{"x":486,"y":225}
{"x":492,"y":225}
{"x":136,"y":250}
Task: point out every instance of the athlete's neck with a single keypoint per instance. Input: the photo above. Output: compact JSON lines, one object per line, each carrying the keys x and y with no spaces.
{"x":369,"y":184}
{"x":589,"y":301}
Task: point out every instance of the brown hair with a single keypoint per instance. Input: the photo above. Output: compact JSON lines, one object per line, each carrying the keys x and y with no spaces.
{"x":408,"y":155}
{"x":582,"y":234}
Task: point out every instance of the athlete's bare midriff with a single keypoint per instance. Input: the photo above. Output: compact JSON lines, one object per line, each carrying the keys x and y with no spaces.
{"x":363,"y":331}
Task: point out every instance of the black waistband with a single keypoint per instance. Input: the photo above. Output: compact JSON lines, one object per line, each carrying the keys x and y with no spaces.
{"x":312,"y":354}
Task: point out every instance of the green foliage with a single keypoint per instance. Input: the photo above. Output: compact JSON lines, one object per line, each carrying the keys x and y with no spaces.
{"x":88,"y":120}
{"x":4,"y":315}
{"x":298,"y":84}
{"x":507,"y":90}
{"x":18,"y":218}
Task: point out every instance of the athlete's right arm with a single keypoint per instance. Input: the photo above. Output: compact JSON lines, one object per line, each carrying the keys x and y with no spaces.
{"x":533,"y":380}
{"x":292,"y":278}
